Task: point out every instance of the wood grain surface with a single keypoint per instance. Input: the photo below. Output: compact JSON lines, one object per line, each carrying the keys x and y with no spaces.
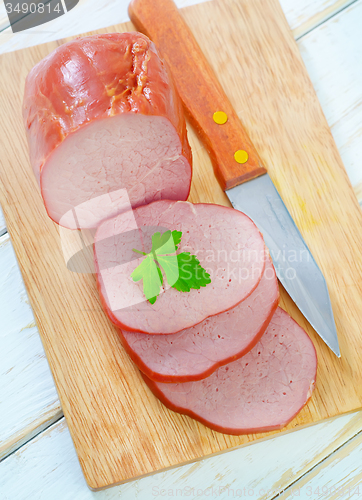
{"x":120,"y":431}
{"x":47,"y":468}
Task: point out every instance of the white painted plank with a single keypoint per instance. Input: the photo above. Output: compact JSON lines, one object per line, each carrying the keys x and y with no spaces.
{"x":2,"y":223}
{"x":332,"y":54}
{"x":47,"y":467}
{"x":305,"y":15}
{"x":28,"y":398}
{"x":88,"y":15}
{"x":358,"y":191}
{"x":338,"y":477}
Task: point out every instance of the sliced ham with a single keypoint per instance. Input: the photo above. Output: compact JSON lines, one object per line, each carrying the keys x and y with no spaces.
{"x":103,"y":118}
{"x":226,"y":242}
{"x":196,"y":352}
{"x":262,"y":391}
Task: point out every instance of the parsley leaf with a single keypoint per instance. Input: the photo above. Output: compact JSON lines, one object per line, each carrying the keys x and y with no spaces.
{"x":176,"y":235}
{"x":183,"y":271}
{"x":191,"y":273}
{"x":167,"y":243}
{"x":169,"y":264}
{"x":152,"y":278}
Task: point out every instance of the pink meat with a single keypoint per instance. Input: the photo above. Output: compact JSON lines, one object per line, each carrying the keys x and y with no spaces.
{"x":262,"y":391}
{"x":226,"y":242}
{"x":196,"y":352}
{"x":102,"y":116}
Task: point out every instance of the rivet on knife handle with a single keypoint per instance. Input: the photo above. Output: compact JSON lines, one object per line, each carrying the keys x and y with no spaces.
{"x":233,"y":155}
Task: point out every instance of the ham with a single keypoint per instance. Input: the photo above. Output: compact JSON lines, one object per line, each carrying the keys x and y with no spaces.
{"x":226,"y":242}
{"x":262,"y":391}
{"x":104,"y":123}
{"x":196,"y":352}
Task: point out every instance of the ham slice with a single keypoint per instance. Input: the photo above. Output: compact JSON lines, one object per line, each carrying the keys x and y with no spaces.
{"x":226,"y":242}
{"x":196,"y":352}
{"x":262,"y":391}
{"x":104,"y":122}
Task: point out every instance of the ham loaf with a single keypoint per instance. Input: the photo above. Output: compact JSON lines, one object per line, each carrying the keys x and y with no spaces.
{"x":226,"y":242}
{"x":262,"y":391}
{"x":103,"y":121}
{"x":196,"y":352}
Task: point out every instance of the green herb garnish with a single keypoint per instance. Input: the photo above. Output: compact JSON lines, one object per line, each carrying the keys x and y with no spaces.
{"x":183,"y":271}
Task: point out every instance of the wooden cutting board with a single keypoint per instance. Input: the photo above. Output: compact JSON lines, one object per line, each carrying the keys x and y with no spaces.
{"x":119,"y":429}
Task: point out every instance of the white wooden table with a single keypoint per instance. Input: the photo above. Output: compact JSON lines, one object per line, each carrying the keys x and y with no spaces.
{"x":318,"y":462}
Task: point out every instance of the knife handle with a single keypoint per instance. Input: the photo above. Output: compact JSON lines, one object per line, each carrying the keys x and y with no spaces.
{"x":200,"y":91}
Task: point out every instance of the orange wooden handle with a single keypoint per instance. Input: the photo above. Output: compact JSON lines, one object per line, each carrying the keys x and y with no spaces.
{"x":200,"y":91}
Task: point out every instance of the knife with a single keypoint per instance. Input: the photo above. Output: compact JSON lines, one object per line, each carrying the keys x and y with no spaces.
{"x":237,"y":165}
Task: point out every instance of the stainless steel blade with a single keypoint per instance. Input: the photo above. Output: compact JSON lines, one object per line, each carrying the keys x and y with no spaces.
{"x":294,"y":264}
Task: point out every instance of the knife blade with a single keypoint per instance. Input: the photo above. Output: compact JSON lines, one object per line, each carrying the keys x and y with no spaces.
{"x":237,"y":165}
